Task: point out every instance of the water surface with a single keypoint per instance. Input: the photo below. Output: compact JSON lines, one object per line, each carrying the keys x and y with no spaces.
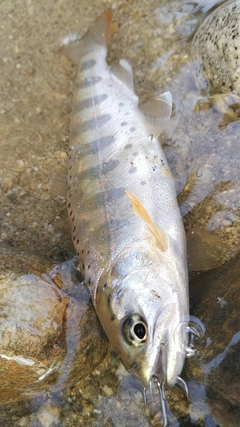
{"x":36,"y":86}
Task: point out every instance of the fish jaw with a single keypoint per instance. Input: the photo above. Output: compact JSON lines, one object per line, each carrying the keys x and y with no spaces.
{"x":131,"y":295}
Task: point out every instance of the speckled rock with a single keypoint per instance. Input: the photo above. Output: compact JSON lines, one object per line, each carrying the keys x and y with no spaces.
{"x":49,"y":331}
{"x":216,"y":50}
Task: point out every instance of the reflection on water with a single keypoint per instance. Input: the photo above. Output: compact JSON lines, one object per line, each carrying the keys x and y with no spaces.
{"x":84,"y":387}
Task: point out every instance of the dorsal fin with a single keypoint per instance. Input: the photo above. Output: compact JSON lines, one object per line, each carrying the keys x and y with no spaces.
{"x":123,"y":73}
{"x":141,"y":213}
{"x":157,"y":112}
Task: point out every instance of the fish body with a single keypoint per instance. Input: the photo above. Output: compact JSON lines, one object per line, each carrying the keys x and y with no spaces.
{"x":125,"y":222}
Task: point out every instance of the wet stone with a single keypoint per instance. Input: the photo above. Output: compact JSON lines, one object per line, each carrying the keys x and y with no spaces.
{"x":215,"y":299}
{"x":216,"y":47}
{"x":48,"y":328}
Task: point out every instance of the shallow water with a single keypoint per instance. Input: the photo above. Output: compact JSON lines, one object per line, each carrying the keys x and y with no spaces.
{"x":36,"y":85}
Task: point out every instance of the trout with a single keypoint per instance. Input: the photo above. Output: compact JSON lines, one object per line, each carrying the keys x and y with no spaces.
{"x":125,"y":221}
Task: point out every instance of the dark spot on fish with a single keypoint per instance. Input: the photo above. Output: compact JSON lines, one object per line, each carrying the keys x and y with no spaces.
{"x":92,"y":124}
{"x":69,"y":205}
{"x":71,"y":213}
{"x":88,"y":64}
{"x":98,"y":171}
{"x":113,"y":317}
{"x":88,"y":251}
{"x":109,"y":299}
{"x":124,"y":124}
{"x":88,"y":266}
{"x":74,"y":229}
{"x":105,"y":286}
{"x":89,"y":81}
{"x":73,"y":218}
{"x":82,"y":251}
{"x":83,"y":266}
{"x":77,"y":241}
{"x":70,"y":167}
{"x":74,"y":237}
{"x":132,"y":170}
{"x":109,"y":196}
{"x":132,"y":129}
{"x":97,"y":145}
{"x":91,"y":102}
{"x":78,"y":254}
{"x":128,"y":146}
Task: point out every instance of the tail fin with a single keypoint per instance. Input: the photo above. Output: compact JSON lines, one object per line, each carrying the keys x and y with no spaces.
{"x":98,"y":34}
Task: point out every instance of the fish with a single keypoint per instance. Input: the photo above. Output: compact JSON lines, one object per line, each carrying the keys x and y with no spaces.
{"x":126,"y":225}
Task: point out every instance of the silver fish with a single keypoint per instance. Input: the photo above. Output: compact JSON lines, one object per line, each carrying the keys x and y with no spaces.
{"x":126,"y":225}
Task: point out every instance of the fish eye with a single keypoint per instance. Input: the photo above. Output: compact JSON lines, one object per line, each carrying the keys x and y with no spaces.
{"x":135,"y":330}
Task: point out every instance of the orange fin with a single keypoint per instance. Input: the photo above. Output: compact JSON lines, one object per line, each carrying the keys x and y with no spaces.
{"x":141,"y":213}
{"x":108,"y":15}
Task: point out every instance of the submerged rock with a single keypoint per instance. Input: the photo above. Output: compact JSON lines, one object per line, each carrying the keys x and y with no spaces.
{"x":215,"y":299}
{"x":216,"y":50}
{"x":49,"y":333}
{"x":223,"y":388}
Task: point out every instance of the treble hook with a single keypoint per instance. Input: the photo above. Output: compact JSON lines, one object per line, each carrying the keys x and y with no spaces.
{"x":162,"y":399}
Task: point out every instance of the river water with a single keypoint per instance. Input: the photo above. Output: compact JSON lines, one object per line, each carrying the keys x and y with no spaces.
{"x":35,"y":104}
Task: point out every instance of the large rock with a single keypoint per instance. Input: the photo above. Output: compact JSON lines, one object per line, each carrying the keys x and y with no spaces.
{"x":49,"y":332}
{"x":215,"y":299}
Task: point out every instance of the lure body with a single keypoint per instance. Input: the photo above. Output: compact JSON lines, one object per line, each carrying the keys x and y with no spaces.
{"x":125,"y":222}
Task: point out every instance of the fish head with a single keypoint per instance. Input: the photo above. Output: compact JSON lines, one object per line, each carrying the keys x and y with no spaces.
{"x":143,"y":310}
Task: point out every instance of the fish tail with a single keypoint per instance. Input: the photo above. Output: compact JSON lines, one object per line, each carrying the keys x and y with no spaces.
{"x":98,"y":34}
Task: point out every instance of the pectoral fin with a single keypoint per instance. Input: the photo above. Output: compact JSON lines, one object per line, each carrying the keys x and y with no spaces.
{"x":141,"y":213}
{"x":157,"y":112}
